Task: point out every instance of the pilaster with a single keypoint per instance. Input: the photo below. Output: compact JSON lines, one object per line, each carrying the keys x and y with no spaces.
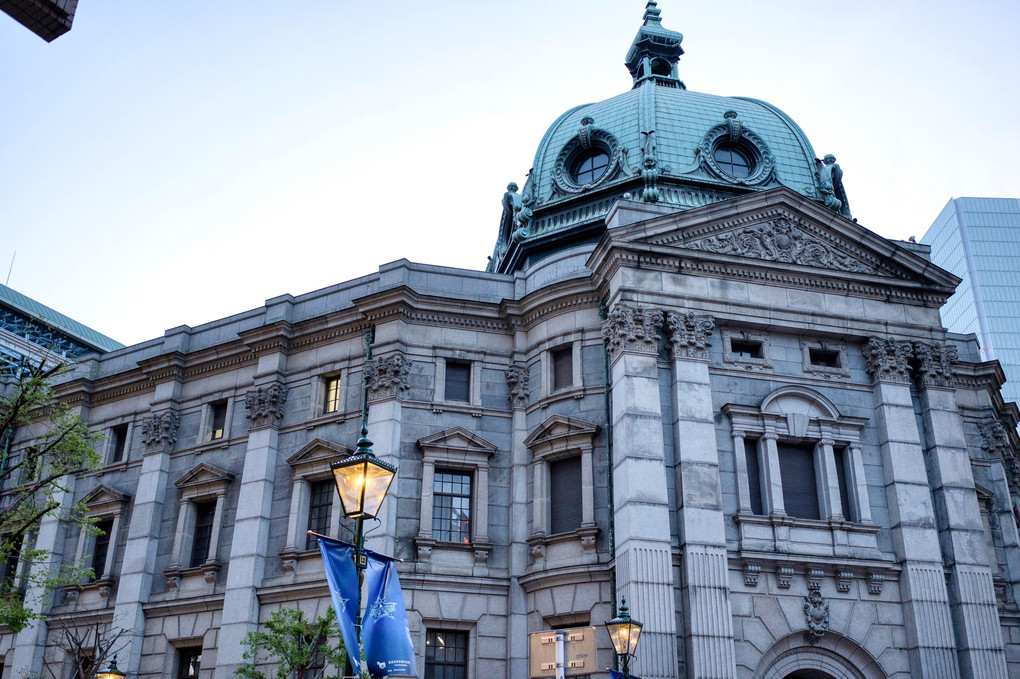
{"x":708,"y":619}
{"x":643,"y":558}
{"x":517,"y":643}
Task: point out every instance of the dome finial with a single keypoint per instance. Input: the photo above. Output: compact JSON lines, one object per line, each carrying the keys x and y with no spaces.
{"x":655,"y":51}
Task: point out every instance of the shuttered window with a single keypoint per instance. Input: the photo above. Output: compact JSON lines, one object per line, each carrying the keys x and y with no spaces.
{"x":563,"y":368}
{"x":800,"y":492}
{"x":458,"y":381}
{"x":565,"y":495}
{"x":844,"y":493}
{"x":753,"y":475}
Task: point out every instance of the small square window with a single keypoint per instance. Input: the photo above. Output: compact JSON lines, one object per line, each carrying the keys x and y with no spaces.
{"x":331,"y":396}
{"x":562,"y":368}
{"x":458,"y":381}
{"x":217,"y":420}
{"x":189,"y":662}
{"x":745,"y":349}
{"x":824,"y":358}
{"x":118,"y":442}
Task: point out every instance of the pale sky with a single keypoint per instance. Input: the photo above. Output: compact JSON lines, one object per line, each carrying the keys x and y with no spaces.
{"x":170,"y":163}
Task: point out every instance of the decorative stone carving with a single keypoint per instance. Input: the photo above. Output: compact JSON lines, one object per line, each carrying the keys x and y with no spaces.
{"x":517,"y":378}
{"x":784,"y":575}
{"x":649,"y":169}
{"x":632,"y":329}
{"x":844,"y":579}
{"x":159,"y":432}
{"x":173,"y":578}
{"x":778,"y":240}
{"x":424,"y":546}
{"x":814,"y":578}
{"x":588,"y":137}
{"x":689,"y":333}
{"x":288,"y":560}
{"x":482,"y":551}
{"x":265,"y":405}
{"x":104,"y":587}
{"x":816,"y":614}
{"x":875,"y":582}
{"x":733,"y":131}
{"x":888,"y":359}
{"x":830,"y":185}
{"x":752,"y":571}
{"x":935,"y":364}
{"x":387,"y":377}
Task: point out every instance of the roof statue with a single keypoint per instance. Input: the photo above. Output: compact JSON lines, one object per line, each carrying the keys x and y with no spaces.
{"x":660,"y":143}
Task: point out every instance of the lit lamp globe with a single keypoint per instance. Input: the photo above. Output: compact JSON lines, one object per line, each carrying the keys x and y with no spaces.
{"x":624,"y":632}
{"x":362,"y":480}
{"x":111,"y":671}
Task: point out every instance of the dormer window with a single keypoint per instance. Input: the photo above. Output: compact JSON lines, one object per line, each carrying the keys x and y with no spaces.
{"x":733,"y":160}
{"x":590,"y":167}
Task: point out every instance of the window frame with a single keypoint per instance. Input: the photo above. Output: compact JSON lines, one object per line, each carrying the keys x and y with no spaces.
{"x":466,"y":664}
{"x":475,"y":360}
{"x":206,"y":434}
{"x":203,"y":483}
{"x":111,"y":443}
{"x":338,"y":401}
{"x":186,"y":652}
{"x":762,"y":364}
{"x":549,"y":386}
{"x":438,"y":533}
{"x":842,"y":371}
{"x":309,"y":464}
{"x":102,"y":503}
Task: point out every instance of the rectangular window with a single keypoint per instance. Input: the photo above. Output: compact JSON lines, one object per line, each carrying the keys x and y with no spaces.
{"x":204,"y":512}
{"x":101,"y":547}
{"x":118,"y":442}
{"x":563,"y":368}
{"x":9,"y":572}
{"x":319,"y":509}
{"x":825,"y":358}
{"x":451,"y":507}
{"x":745,"y":349}
{"x":800,"y":491}
{"x":753,"y":475}
{"x":218,"y":420}
{"x":565,"y":501}
{"x":446,"y":655}
{"x":458,"y":381}
{"x":844,"y":493}
{"x":189,"y":662}
{"x":331,"y":398}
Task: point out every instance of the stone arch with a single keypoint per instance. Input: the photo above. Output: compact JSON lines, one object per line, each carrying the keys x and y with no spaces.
{"x":834,"y":655}
{"x":799,"y":400}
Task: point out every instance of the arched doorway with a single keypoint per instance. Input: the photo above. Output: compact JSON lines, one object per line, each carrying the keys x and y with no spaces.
{"x":834,"y":657}
{"x":808,"y":674}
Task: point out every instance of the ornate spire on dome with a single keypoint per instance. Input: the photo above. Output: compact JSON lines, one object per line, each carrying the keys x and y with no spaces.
{"x":655,"y":51}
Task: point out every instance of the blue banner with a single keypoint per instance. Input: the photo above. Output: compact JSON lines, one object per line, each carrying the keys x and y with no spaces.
{"x":384,"y":632}
{"x":338,"y":560}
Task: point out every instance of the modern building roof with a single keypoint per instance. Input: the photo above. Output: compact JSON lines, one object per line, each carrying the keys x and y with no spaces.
{"x":43,"y":314}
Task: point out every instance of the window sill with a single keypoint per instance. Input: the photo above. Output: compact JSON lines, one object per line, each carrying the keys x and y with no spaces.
{"x":808,"y":537}
{"x":829,"y":524}
{"x":328,"y":418}
{"x":540,"y":542}
{"x":471,"y":409}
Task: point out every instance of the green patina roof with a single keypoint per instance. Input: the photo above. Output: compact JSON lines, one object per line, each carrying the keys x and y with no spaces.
{"x":56,"y":320}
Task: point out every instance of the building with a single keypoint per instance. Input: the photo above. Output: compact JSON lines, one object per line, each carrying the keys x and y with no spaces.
{"x":978,"y":239}
{"x":688,"y":378}
{"x":49,"y":19}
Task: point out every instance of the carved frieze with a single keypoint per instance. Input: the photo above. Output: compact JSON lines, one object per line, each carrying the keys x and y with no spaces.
{"x":265,"y":405}
{"x":888,"y":360}
{"x":816,"y":615}
{"x":935,"y":364}
{"x":688,"y":334}
{"x":517,"y":378}
{"x":159,"y":431}
{"x":387,"y":377}
{"x":778,"y":240}
{"x":630,"y":328}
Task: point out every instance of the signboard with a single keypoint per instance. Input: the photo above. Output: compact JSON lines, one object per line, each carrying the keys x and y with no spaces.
{"x":578,"y":652}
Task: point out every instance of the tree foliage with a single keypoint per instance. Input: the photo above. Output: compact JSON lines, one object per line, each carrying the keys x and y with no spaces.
{"x":294,"y":644}
{"x":43,"y":446}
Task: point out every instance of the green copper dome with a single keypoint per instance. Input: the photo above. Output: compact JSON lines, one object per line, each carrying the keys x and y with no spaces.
{"x":658,"y":142}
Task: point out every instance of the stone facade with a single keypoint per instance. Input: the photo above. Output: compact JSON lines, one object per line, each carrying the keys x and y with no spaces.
{"x":744,"y":416}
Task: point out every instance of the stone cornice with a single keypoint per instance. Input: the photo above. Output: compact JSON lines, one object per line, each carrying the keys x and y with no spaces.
{"x":268,"y":338}
{"x":169,"y":366}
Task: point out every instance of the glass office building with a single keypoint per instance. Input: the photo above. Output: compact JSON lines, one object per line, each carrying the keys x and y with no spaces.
{"x":978,"y":239}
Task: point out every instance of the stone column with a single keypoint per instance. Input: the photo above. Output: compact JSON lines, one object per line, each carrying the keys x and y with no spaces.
{"x":517,"y":380}
{"x":643,"y":559}
{"x":929,"y":628}
{"x":971,"y":593}
{"x":386,"y":379}
{"x":708,"y":619}
{"x":249,"y":547}
{"x":159,"y":434}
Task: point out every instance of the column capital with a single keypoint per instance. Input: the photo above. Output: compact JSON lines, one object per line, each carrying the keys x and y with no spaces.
{"x":632,"y":329}
{"x":935,"y":364}
{"x":689,"y":334}
{"x":265,"y":405}
{"x":387,"y":377}
{"x":159,"y":431}
{"x":888,"y":359}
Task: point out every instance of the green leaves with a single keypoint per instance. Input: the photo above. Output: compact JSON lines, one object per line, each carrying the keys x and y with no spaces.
{"x":295,"y":645}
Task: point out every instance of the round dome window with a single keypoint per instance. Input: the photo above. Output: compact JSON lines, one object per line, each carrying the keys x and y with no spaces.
{"x":590,"y":167}
{"x":733,"y":160}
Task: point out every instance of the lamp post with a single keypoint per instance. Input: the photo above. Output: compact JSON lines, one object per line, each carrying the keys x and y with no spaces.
{"x":624,"y":633}
{"x":111,"y":671}
{"x":362,"y":481}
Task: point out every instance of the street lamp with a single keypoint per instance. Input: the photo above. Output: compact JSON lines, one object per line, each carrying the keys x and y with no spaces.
{"x":362,"y":481}
{"x":624,"y":633}
{"x":111,"y":671}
